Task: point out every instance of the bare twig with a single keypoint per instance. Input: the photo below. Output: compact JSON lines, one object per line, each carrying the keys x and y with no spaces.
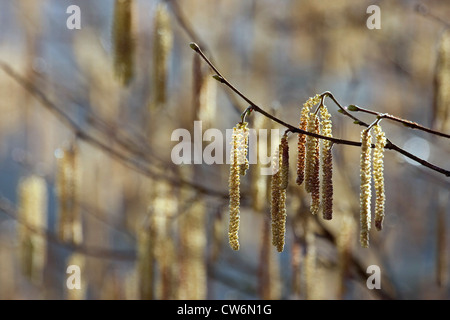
{"x":389,"y":145}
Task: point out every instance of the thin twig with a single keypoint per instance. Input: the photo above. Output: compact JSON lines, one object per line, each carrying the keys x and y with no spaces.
{"x":389,"y":145}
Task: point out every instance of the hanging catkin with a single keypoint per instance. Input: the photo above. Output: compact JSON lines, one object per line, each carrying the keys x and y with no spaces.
{"x":284,"y":145}
{"x":327,"y":165}
{"x":378,"y":176}
{"x":123,"y":40}
{"x":32,"y":193}
{"x":441,"y":116}
{"x":278,"y":203}
{"x":365,"y":192}
{"x":67,"y":188}
{"x":303,"y":125}
{"x":238,"y":165}
{"x":162,"y":45}
{"x":312,"y":174}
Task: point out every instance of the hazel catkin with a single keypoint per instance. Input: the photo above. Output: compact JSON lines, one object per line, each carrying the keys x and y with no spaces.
{"x":365,"y":192}
{"x":378,"y":176}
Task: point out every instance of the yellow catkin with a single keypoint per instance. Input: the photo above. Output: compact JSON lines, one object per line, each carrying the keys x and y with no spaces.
{"x":344,"y":248}
{"x":123,"y":40}
{"x":204,"y":91}
{"x":162,"y":45}
{"x":310,"y":266}
{"x":284,"y":145}
{"x":32,"y":194}
{"x":441,"y":118}
{"x":77,"y":260}
{"x":378,"y":176}
{"x":237,"y":162}
{"x":327,"y":165}
{"x":278,"y":203}
{"x":313,"y":159}
{"x":365,"y":192}
{"x":193,"y":275}
{"x":67,"y":188}
{"x":304,"y":120}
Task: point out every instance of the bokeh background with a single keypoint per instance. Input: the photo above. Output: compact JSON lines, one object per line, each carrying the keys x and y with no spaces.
{"x":86,"y":176}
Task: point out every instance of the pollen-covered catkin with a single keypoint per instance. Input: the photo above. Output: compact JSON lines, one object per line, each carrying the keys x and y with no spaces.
{"x":278,"y":203}
{"x":243,"y":148}
{"x":238,"y":161}
{"x":365,"y":192}
{"x":313,"y":161}
{"x":303,"y":125}
{"x":284,"y":145}
{"x":378,"y":176}
{"x":327,"y":165}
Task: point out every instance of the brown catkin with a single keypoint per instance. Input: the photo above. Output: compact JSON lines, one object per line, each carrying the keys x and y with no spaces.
{"x":303,"y":125}
{"x":284,"y":145}
{"x":441,"y":117}
{"x":162,"y":45}
{"x":378,"y":176}
{"x":278,"y":203}
{"x":365,"y":192}
{"x":327,"y":165}
{"x":67,"y":188}
{"x":314,"y":176}
{"x":123,"y":40}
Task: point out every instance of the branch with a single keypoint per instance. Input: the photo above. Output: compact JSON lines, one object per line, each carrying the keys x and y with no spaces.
{"x":406,"y":123}
{"x":253,"y":107}
{"x":138,"y":165}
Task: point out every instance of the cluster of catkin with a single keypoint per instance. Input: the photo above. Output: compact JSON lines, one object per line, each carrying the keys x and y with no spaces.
{"x":366,"y":181}
{"x":310,"y":154}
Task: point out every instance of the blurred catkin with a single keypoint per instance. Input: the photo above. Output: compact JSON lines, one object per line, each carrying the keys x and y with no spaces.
{"x":193,"y":274}
{"x":278,"y":203}
{"x":67,"y":188}
{"x":78,"y":260}
{"x":32,"y":194}
{"x":123,"y":40}
{"x":344,"y":248}
{"x":310,"y":265}
{"x":204,"y":94}
{"x":145,"y":261}
{"x":378,"y":176}
{"x":365,"y":192}
{"x":162,"y":45}
{"x":441,"y":117}
{"x":327,"y":165}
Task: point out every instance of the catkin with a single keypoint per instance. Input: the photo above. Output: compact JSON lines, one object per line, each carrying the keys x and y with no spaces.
{"x":162,"y":45}
{"x":69,"y":220}
{"x":123,"y":40}
{"x":313,"y":166}
{"x":284,"y":145}
{"x":378,"y":176}
{"x":441,"y":117}
{"x":303,"y":125}
{"x":327,"y":165}
{"x":238,"y":165}
{"x":278,"y":203}
{"x":365,"y":192}
{"x":32,"y":192}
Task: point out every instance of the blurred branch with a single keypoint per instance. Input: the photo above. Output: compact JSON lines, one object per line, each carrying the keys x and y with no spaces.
{"x":101,"y":253}
{"x":140,"y":164}
{"x":253,"y":107}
